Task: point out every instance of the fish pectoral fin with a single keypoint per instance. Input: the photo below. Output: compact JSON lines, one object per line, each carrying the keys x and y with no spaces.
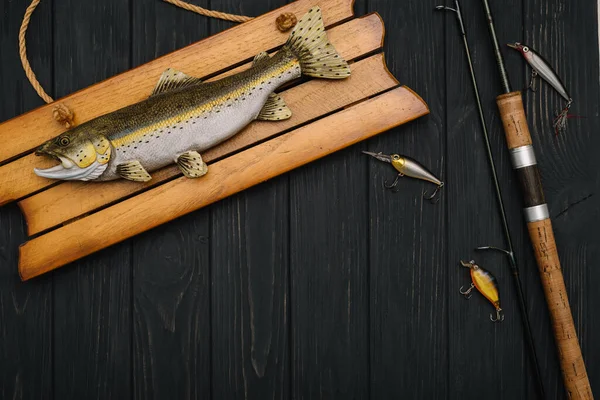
{"x":191,"y":164}
{"x":274,"y":109}
{"x":172,"y":79}
{"x":133,"y":171}
{"x":259,"y":58}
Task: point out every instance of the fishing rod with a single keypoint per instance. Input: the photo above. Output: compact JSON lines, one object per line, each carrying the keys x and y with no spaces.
{"x":509,"y":244}
{"x":537,"y":216}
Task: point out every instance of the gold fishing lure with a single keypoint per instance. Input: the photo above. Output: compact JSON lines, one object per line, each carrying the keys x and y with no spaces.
{"x":486,"y":284}
{"x":406,"y":166}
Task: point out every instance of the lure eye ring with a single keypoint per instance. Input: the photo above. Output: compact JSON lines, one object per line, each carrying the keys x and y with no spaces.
{"x":395,"y":157}
{"x":64,"y":141}
{"x":525,"y":49}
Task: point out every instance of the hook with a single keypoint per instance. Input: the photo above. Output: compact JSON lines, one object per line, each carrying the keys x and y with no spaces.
{"x":499,"y":316}
{"x":394,"y":184}
{"x":435,"y":192}
{"x":531,"y":87}
{"x":467,"y":293}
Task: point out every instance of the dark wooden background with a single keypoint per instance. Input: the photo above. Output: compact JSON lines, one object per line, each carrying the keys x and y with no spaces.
{"x":317,"y":284}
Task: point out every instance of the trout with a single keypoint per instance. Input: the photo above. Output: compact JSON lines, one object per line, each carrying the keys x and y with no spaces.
{"x":185,"y":116}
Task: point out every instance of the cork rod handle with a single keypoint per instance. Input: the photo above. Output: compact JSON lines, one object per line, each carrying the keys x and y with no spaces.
{"x":541,"y":234}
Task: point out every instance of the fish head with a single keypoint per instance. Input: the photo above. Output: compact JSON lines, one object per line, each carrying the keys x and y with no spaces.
{"x":523,"y":49}
{"x":398,"y":162}
{"x":83,"y":155}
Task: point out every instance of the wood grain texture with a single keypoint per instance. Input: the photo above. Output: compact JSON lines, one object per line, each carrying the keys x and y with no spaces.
{"x":408,"y":269}
{"x":19,"y":180}
{"x":420,"y":343}
{"x":26,"y":335}
{"x":308,"y":101}
{"x":92,"y":309}
{"x":329,"y":344}
{"x":560,"y":30}
{"x":207,"y":57}
{"x":227,"y":177}
{"x":250,"y":263}
{"x":486,"y":360}
{"x":171,"y":266}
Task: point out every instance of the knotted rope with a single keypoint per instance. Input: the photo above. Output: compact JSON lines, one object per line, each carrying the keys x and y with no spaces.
{"x":61,"y":112}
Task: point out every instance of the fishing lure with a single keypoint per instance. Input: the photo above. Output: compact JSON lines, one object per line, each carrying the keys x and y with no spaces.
{"x":185,"y":116}
{"x":486,"y":284}
{"x":406,"y":166}
{"x":542,"y":68}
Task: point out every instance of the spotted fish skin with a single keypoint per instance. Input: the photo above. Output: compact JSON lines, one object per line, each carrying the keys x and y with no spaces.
{"x":186,"y":115}
{"x":157,"y":130}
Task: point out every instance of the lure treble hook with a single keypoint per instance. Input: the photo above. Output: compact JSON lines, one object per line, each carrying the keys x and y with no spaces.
{"x":499,"y":316}
{"x":406,"y":166}
{"x":433,"y":197}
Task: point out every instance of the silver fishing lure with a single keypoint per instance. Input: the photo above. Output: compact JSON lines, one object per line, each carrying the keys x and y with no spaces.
{"x":541,"y":67}
{"x":406,"y":166}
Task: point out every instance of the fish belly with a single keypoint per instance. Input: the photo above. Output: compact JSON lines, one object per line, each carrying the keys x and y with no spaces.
{"x":196,"y":130}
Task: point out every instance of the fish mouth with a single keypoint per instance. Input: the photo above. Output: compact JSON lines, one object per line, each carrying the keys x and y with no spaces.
{"x":67,"y":170}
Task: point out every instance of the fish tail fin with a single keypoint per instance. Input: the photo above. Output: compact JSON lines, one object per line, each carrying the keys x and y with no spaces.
{"x":309,"y":42}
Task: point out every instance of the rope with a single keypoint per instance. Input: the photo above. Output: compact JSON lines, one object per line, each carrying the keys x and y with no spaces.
{"x":208,"y":13}
{"x":61,"y":112}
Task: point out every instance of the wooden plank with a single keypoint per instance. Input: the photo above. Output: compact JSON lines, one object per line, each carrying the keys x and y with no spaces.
{"x":92,"y":311}
{"x":26,"y":335}
{"x":309,"y":101}
{"x":207,"y":57}
{"x":171,"y":265}
{"x":479,"y":348}
{"x":566,"y":35}
{"x":250,"y":295}
{"x":407,"y":235}
{"x":227,"y":177}
{"x":249,"y":274}
{"x":329,"y":269}
{"x":21,"y":181}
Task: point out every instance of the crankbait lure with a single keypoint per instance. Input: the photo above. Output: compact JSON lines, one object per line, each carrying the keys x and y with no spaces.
{"x":542,"y":68}
{"x":185,"y":116}
{"x":406,"y":166}
{"x":486,"y":284}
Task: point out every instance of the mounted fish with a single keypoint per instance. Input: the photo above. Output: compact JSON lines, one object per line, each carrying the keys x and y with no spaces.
{"x":185,"y":116}
{"x":543,"y":68}
{"x":406,"y":166}
{"x":486,"y":284}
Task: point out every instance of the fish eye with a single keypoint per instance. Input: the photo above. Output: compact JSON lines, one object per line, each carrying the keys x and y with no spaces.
{"x":64,"y":141}
{"x":396,"y":157}
{"x":525,"y":49}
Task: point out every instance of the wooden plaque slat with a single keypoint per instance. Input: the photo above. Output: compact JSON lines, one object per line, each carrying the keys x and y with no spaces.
{"x":308,"y":101}
{"x":352,"y":39}
{"x":231,"y":175}
{"x":211,"y":55}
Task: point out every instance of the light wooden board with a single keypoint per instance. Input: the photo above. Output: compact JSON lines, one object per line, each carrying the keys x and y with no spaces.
{"x":209,"y":56}
{"x":234,"y":174}
{"x":308,"y":101}
{"x":352,"y":39}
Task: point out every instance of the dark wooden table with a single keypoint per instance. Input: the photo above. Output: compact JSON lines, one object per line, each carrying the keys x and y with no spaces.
{"x":318,"y":284}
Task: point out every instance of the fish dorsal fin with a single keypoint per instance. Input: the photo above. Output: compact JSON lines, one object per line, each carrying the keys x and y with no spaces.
{"x":274,"y":109}
{"x":260,"y":57}
{"x":172,"y":79}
